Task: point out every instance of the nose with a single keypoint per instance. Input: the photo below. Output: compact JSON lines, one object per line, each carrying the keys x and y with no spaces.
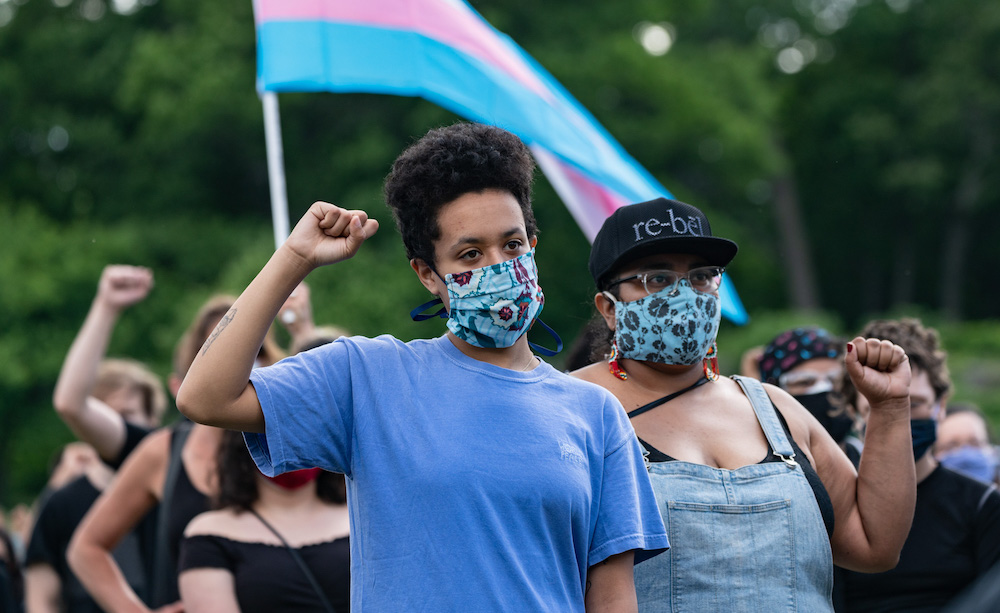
{"x":494,"y":256}
{"x":676,"y":288}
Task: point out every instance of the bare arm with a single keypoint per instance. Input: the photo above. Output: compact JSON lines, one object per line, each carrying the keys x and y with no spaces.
{"x":610,"y":586}
{"x":91,"y":420}
{"x":208,"y":590}
{"x":217,"y":390}
{"x":136,"y":489}
{"x":873,"y":507}
{"x":42,"y":589}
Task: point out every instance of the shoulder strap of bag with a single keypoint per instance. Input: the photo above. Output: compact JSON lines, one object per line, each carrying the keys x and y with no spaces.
{"x":298,"y":560}
{"x":164,"y":571}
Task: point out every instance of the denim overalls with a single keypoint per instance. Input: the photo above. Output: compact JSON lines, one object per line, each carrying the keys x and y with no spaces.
{"x":746,"y":540}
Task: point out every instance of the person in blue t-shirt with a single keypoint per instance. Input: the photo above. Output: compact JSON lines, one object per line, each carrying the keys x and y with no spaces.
{"x":479,"y":477}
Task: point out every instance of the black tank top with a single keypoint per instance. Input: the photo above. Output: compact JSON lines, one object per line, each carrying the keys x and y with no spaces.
{"x":819,"y":490}
{"x":185,"y":505}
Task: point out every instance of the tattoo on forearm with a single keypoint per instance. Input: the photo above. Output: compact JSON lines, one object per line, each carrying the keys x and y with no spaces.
{"x":228,"y":317}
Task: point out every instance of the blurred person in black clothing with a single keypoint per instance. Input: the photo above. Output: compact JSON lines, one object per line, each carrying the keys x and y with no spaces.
{"x":11,"y":581}
{"x":238,"y":556}
{"x":173,"y":468}
{"x":955,"y":536}
{"x":110,"y":405}
{"x":136,"y":397}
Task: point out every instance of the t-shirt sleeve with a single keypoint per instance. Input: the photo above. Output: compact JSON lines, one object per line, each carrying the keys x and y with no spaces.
{"x":627,"y":513}
{"x":987,"y":531}
{"x":204,"y":551}
{"x":308,"y":406}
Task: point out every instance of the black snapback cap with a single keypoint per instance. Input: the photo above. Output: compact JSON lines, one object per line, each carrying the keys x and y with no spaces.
{"x":655,"y":226}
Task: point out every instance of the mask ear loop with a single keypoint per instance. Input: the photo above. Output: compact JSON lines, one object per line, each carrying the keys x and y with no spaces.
{"x":419,"y":314}
{"x":545,"y":350}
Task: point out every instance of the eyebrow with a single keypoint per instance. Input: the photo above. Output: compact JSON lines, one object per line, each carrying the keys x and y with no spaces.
{"x":475,"y":240}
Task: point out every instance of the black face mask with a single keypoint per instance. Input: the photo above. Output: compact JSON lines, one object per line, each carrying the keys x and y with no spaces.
{"x":837,"y":422}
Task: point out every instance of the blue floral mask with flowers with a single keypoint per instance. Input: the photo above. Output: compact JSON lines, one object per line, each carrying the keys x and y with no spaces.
{"x":493,"y":306}
{"x":676,"y":325}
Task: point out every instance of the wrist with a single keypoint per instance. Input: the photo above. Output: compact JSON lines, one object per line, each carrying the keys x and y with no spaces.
{"x":296,"y":265}
{"x":105,"y":308}
{"x":895,"y":406}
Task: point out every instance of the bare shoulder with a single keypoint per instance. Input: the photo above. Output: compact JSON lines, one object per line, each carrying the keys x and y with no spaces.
{"x":598,"y":377}
{"x":214,"y":523}
{"x":146,"y":466}
{"x":592,"y":372}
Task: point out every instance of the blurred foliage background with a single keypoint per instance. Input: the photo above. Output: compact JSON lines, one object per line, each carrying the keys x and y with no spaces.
{"x":848,"y":146}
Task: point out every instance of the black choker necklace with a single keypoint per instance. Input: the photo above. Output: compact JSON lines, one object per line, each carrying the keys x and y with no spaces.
{"x":667,"y":398}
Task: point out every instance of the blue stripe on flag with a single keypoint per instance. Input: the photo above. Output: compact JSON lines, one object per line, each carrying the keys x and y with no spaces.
{"x":324,"y":56}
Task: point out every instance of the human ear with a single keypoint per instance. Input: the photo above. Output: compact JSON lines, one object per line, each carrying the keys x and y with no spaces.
{"x":606,"y":308}
{"x":533,"y":241}
{"x":426,"y":275}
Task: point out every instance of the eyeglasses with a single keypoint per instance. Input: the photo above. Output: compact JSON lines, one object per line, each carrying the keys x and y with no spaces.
{"x":705,"y":279}
{"x":808,"y":382}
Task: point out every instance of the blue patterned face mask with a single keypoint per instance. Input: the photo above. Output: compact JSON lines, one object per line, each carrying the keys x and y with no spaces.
{"x":493,"y":306}
{"x":674,"y":326}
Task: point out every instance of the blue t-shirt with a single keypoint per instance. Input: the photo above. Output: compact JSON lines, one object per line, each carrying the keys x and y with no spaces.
{"x":471,"y":487}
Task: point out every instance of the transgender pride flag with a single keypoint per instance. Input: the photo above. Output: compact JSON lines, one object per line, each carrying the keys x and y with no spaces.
{"x":445,"y":52}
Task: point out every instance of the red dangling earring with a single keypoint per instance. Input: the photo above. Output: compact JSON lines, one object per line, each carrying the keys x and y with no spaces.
{"x":613,"y":365}
{"x":711,"y":363}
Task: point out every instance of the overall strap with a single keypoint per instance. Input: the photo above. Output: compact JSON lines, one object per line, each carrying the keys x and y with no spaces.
{"x":768,"y":418}
{"x":298,"y":560}
{"x":164,"y":572}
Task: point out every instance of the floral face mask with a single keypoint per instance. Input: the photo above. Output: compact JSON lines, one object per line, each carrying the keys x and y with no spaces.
{"x":493,"y":306}
{"x":674,"y":326}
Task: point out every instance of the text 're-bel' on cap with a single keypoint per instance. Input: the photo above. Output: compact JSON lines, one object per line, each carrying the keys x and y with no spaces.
{"x":655,"y":226}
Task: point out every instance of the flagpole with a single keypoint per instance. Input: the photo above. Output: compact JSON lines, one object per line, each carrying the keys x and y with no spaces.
{"x":275,"y":167}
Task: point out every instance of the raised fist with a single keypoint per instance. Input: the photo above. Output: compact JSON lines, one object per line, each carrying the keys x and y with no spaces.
{"x":879,"y":369}
{"x":122,"y":286}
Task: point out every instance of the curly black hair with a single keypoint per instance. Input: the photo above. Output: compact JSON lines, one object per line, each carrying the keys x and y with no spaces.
{"x":447,"y":163}
{"x":237,"y":477}
{"x":922,"y":346}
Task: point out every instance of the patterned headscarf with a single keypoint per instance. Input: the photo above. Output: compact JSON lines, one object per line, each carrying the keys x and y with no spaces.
{"x":793,"y":347}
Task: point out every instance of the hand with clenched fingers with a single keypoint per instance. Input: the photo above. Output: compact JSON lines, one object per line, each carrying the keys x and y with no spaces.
{"x":327,"y":234}
{"x":879,"y":369}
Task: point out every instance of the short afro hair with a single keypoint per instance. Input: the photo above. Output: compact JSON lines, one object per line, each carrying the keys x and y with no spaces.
{"x":447,"y":163}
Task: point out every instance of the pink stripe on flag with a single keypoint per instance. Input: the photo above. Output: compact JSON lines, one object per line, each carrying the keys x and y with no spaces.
{"x":588,"y":201}
{"x":447,"y":21}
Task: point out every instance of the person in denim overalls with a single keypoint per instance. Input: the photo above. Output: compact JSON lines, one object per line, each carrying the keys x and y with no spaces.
{"x":758,"y":500}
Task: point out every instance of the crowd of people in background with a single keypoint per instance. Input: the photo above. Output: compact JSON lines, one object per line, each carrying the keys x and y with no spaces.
{"x":465,"y":473}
